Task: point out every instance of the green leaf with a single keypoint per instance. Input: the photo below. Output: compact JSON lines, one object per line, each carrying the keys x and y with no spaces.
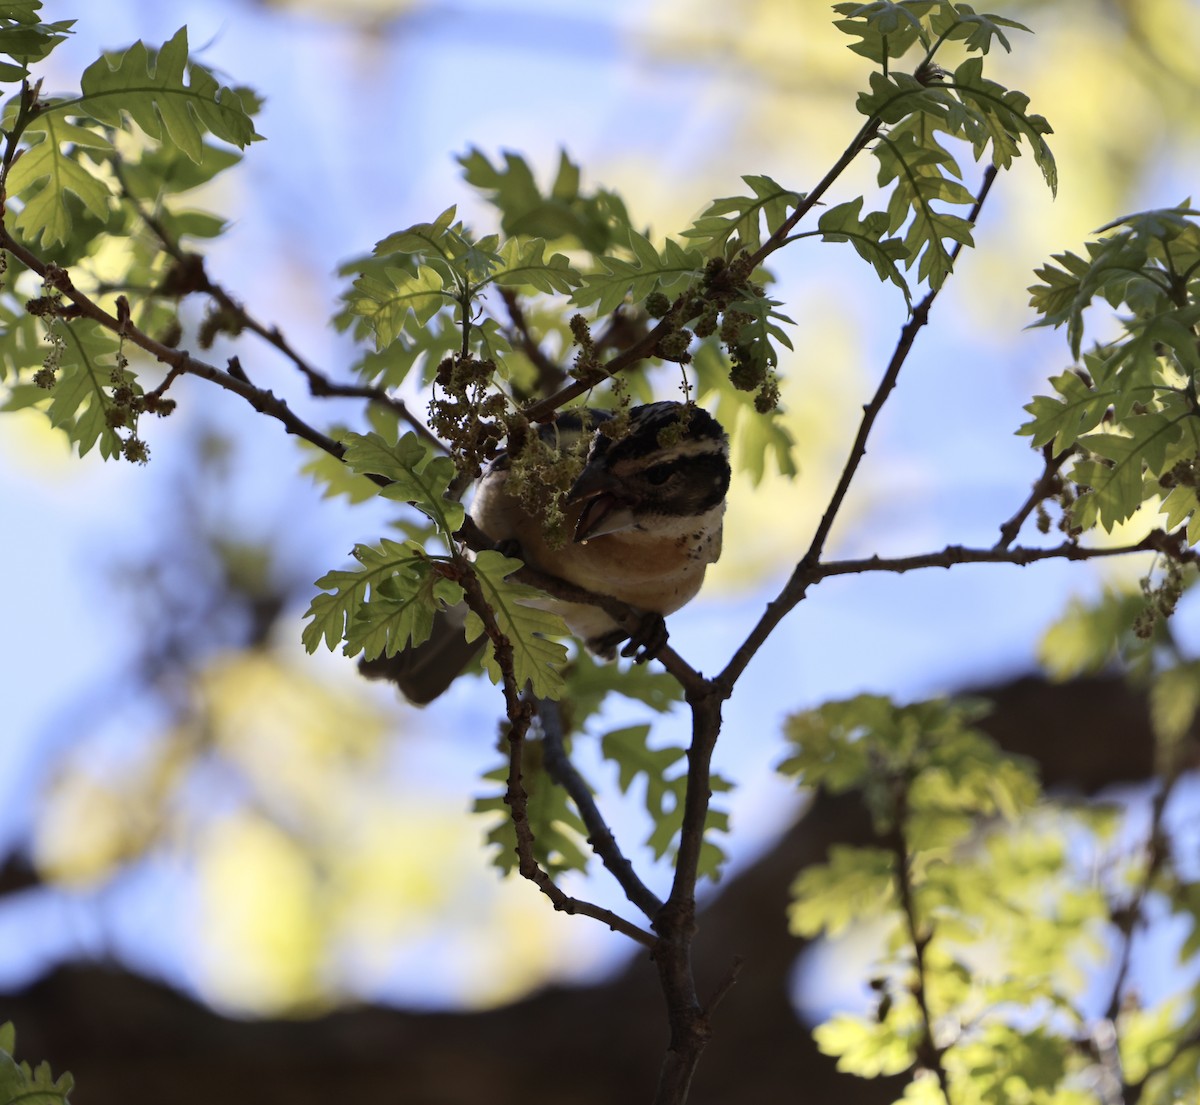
{"x":387,"y":300}
{"x":1127,"y":266}
{"x":912,"y":158}
{"x":436,"y":239}
{"x":416,"y":475}
{"x":1007,"y":1063}
{"x":947,"y":768}
{"x":523,"y":264}
{"x":844,"y":223}
{"x":648,"y":271}
{"x":1086,"y":636}
{"x":537,"y":658}
{"x":381,"y":605}
{"x":158,"y":171}
{"x":959,"y":23}
{"x":27,"y":40}
{"x":868,"y":1048}
{"x":885,"y":30}
{"x":594,"y":221}
{"x":854,"y":884}
{"x":165,"y":94}
{"x":417,"y":346}
{"x":400,"y":608}
{"x":19,"y":1083}
{"x":333,"y":476}
{"x":47,"y":170}
{"x":1079,"y":409}
{"x":1174,"y":704}
{"x":559,"y":834}
{"x":998,"y":116}
{"x":630,"y":750}
{"x":1116,"y":472}
{"x":740,"y":218}
{"x":79,"y":402}
{"x":589,"y":683}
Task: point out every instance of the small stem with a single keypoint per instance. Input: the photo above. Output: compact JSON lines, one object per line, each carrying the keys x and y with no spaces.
{"x":520,"y":714}
{"x":1046,"y":486}
{"x":319,"y":383}
{"x":797,"y":585}
{"x":563,"y":772}
{"x":929,"y":1055}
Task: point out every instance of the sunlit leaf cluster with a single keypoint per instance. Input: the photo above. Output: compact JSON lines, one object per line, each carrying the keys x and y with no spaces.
{"x":988,"y":917}
{"x":1129,"y":410}
{"x":107,"y":163}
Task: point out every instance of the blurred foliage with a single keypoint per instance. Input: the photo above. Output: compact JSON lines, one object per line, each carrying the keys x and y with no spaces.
{"x":21,"y":1084}
{"x":998,"y":905}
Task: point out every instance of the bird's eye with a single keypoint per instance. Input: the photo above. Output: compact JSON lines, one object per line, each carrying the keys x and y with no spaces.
{"x":659,"y":473}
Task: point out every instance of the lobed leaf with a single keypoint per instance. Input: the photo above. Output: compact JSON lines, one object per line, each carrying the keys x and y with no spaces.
{"x":341,"y":613}
{"x":648,"y":271}
{"x":845,"y":223}
{"x":735,"y":222}
{"x":996,"y":116}
{"x":25,"y":39}
{"x":559,"y":834}
{"x":166,"y":95}
{"x":594,"y":221}
{"x":885,"y":30}
{"x":47,"y":170}
{"x":960,"y":23}
{"x":630,"y":750}
{"x":1115,"y":474}
{"x":523,"y":264}
{"x":416,"y":476}
{"x":387,"y":300}
{"x":538,"y":657}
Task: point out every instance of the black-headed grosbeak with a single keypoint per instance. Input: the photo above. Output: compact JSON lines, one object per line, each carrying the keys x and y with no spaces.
{"x":644,"y":517}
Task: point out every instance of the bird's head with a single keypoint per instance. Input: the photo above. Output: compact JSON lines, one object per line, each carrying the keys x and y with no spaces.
{"x":669,"y":472}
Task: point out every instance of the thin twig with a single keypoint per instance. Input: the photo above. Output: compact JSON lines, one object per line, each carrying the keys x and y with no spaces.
{"x":550,"y":375}
{"x":1169,"y":544}
{"x":563,"y":772}
{"x":929,"y":1054}
{"x":520,"y":714}
{"x":1045,"y":487}
{"x":778,"y":239}
{"x":1130,"y":916}
{"x":797,"y":585}
{"x":265,"y":402}
{"x":319,"y":383}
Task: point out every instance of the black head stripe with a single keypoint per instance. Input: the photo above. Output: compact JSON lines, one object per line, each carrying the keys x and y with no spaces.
{"x":647,"y":424}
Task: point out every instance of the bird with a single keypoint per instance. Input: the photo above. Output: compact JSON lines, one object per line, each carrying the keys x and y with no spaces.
{"x":644,"y":518}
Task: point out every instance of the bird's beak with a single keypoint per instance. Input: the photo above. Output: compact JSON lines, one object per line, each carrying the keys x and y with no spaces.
{"x":603,"y":512}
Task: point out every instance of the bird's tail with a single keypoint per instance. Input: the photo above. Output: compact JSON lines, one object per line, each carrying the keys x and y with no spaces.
{"x":424,"y":671}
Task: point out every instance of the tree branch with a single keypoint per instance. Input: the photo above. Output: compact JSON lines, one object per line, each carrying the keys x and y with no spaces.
{"x":319,"y":383}
{"x":676,"y":921}
{"x":180,"y":361}
{"x":929,"y":1055}
{"x":563,"y":772}
{"x":520,"y":714}
{"x":1160,"y":541}
{"x":1045,"y":487}
{"x":797,"y":585}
